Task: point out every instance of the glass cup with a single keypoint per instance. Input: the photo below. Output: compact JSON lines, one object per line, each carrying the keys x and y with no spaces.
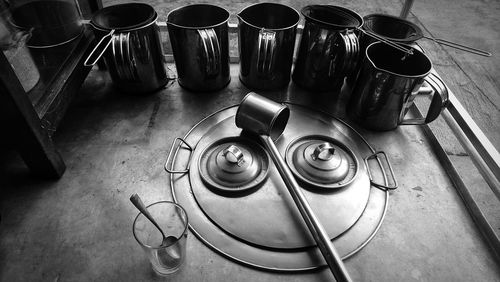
{"x":166,"y":258}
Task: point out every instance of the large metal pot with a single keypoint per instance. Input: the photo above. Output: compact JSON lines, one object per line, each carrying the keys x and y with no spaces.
{"x":131,"y":46}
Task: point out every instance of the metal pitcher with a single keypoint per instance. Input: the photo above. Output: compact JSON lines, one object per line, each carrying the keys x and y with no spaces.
{"x":329,"y":47}
{"x":266,"y":41}
{"x":131,"y":47}
{"x":199,"y":37}
{"x":388,"y":82}
{"x":398,"y":30}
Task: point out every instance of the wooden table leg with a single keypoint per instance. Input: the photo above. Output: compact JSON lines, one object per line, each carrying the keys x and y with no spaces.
{"x":22,"y":126}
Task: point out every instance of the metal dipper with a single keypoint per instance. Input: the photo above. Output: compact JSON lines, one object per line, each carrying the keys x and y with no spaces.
{"x":268,"y":120}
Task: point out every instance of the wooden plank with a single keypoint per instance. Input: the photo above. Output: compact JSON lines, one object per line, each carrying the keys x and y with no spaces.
{"x":23,"y":127}
{"x":59,"y":94}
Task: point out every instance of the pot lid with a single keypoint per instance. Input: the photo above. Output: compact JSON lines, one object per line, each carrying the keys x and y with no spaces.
{"x":233,"y":164}
{"x":321,"y":161}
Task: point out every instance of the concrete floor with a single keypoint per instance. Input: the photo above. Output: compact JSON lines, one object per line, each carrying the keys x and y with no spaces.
{"x":79,"y":228}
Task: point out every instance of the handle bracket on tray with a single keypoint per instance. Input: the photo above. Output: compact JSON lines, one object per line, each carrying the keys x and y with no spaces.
{"x":386,"y":186}
{"x":171,"y":153}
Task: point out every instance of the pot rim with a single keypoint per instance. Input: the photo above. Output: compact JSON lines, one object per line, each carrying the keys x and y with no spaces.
{"x":265,"y":28}
{"x":203,"y":27}
{"x":418,"y":31}
{"x":337,"y":26}
{"x":151,"y":20}
{"x":399,"y":74}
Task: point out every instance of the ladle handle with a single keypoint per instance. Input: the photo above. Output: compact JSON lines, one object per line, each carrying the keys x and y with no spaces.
{"x":136,"y":200}
{"x":326,"y":247}
{"x":460,"y":46}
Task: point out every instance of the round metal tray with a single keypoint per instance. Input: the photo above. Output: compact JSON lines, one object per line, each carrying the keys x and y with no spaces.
{"x":351,"y":215}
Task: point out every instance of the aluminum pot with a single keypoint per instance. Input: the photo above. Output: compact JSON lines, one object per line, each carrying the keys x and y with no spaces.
{"x":329,"y":47}
{"x":266,"y":41}
{"x":130,"y":46}
{"x":199,"y":38}
{"x":388,"y":83}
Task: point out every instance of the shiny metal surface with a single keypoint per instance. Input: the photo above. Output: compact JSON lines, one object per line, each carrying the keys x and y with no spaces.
{"x":387,"y":85}
{"x":135,"y":59}
{"x":266,"y":41}
{"x":233,"y":164}
{"x":318,"y":232}
{"x":328,"y":47}
{"x":262,"y":116}
{"x":315,"y":227}
{"x":199,"y":38}
{"x":321,"y":161}
{"x":302,"y":121}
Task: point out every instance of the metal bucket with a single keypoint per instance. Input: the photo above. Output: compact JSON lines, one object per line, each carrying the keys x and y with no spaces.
{"x":199,"y":38}
{"x":388,"y":83}
{"x":131,"y":46}
{"x":329,"y":47}
{"x":266,"y":40}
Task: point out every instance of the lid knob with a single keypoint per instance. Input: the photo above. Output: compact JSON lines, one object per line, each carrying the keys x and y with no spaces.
{"x":233,"y":155}
{"x":323,"y":152}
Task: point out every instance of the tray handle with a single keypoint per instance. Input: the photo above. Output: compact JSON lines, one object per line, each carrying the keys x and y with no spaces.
{"x":170,"y":156}
{"x":384,"y":187}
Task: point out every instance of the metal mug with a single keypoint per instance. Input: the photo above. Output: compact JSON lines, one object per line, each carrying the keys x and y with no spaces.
{"x":266,"y":41}
{"x":387,"y":85}
{"x":329,"y":47}
{"x":199,"y":38}
{"x":131,"y":46}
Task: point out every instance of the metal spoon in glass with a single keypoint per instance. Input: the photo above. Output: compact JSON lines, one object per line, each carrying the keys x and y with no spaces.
{"x":136,"y":200}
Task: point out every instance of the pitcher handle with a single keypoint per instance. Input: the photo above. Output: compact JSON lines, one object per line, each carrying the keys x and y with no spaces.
{"x":265,"y":51}
{"x":211,"y":51}
{"x":352,"y":50}
{"x":439,"y":101}
{"x":105,"y":41}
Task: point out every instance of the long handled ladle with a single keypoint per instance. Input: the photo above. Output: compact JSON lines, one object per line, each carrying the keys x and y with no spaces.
{"x":268,"y":120}
{"x":136,"y":200}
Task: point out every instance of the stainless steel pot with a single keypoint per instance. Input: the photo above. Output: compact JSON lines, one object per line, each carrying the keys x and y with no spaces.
{"x":131,"y":47}
{"x":329,"y":47}
{"x":199,"y":38}
{"x":266,"y":39}
{"x":388,"y":83}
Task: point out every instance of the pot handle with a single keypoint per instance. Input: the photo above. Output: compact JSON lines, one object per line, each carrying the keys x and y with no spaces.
{"x":438,"y":103}
{"x":105,"y":41}
{"x":265,"y":52}
{"x":351,"y":43}
{"x":170,"y":156}
{"x":211,"y":50}
{"x":387,"y":185}
{"x":122,"y":56}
